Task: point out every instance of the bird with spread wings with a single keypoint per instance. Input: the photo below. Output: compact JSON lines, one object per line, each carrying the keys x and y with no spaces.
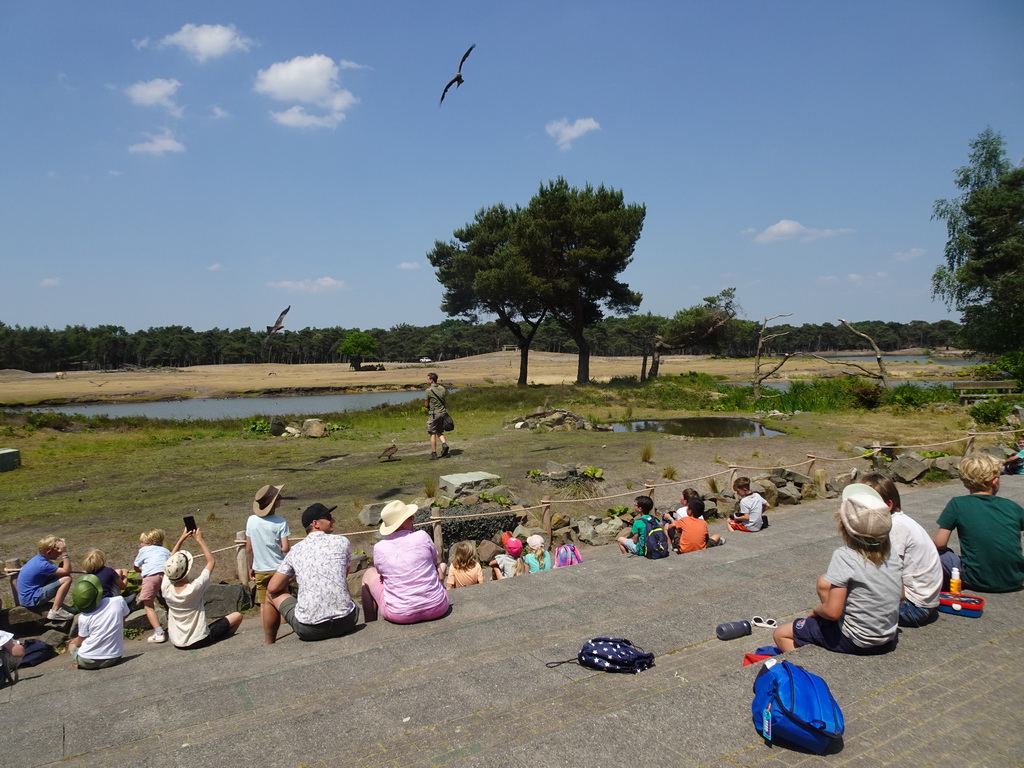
{"x":272,"y":329}
{"x":457,"y":81}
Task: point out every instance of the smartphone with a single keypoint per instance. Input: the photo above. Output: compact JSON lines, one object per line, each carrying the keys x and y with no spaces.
{"x":190,"y":523}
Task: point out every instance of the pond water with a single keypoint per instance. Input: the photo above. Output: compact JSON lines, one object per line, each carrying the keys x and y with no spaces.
{"x":240,"y":407}
{"x":909,"y":359}
{"x":700,"y":426}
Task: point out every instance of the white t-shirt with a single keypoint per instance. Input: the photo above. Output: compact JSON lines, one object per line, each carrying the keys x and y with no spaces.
{"x":186,"y":617}
{"x":752,"y":504}
{"x":922,"y":571}
{"x":103,"y":630}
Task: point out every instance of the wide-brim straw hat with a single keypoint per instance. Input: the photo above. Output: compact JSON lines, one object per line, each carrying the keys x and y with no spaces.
{"x":394,"y":514}
{"x":265,"y":498}
{"x":178,"y":565}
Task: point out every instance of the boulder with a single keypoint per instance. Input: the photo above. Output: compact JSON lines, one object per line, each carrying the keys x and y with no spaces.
{"x":55,"y":638}
{"x":555,"y":471}
{"x":788,"y":494}
{"x":277,"y":426}
{"x":908,"y":467}
{"x":795,"y":477}
{"x":370,"y":514}
{"x":586,"y":532}
{"x":836,"y":484}
{"x":948,"y":464}
{"x":222,"y":599}
{"x":486,"y":551}
{"x":611,"y":528}
{"x":138,"y":620}
{"x":724,"y":506}
{"x":461,"y":484}
{"x":314,"y":428}
{"x":560,"y":520}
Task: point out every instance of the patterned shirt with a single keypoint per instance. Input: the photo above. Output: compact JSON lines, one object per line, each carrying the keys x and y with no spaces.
{"x":319,"y":564}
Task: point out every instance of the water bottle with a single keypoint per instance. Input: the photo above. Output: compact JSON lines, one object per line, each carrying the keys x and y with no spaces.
{"x":954,"y":581}
{"x":732,"y":629}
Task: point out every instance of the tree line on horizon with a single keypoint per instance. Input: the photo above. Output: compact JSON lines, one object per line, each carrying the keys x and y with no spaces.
{"x":108,"y":347}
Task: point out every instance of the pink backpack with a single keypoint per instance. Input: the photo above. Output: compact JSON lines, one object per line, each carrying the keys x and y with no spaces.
{"x":567,"y":554}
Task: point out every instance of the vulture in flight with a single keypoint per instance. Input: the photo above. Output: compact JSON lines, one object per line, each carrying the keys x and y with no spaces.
{"x":457,"y":80}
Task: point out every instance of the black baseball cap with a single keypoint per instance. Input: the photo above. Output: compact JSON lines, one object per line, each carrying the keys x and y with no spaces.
{"x":316,"y":512}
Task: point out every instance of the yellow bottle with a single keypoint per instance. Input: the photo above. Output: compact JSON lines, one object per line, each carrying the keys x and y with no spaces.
{"x":954,"y":581}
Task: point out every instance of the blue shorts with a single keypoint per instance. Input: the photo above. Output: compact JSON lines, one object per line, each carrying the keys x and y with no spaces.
{"x":915,"y":616}
{"x":46,"y":593}
{"x":826,"y":634}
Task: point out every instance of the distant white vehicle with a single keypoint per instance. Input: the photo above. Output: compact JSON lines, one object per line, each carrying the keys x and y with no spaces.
{"x":426,"y":360}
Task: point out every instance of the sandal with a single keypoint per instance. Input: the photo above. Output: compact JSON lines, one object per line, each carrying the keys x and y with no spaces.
{"x":757,"y":621}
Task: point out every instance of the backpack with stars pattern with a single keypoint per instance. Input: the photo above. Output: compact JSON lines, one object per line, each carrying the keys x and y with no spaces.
{"x":614,"y":654}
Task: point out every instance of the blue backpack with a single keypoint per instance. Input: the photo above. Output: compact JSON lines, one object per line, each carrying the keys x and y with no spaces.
{"x":614,"y":654}
{"x":793,"y":706}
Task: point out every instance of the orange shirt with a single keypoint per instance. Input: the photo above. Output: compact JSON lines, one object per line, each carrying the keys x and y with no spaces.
{"x":693,"y":534}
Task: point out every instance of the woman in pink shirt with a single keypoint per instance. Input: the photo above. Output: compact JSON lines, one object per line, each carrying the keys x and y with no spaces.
{"x":406,"y":582}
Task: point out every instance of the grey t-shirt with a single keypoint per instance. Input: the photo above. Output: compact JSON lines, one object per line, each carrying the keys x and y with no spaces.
{"x":873,"y":596}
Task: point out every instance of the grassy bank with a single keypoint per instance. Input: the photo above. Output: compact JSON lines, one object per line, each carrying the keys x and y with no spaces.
{"x":100,"y":481}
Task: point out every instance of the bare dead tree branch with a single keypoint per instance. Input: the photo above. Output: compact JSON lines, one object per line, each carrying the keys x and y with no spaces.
{"x":878,"y":353}
{"x":760,"y":376}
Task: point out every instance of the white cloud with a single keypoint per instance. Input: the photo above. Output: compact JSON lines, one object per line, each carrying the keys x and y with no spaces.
{"x":787,"y":229}
{"x":49,"y":282}
{"x":865,"y":279}
{"x":155,"y":93}
{"x":219,"y":113}
{"x":158,"y":144}
{"x":208,"y":41}
{"x":311,"y":80}
{"x":215,"y":268}
{"x":320,"y":285}
{"x":409,"y":265}
{"x":140,"y":44}
{"x":565,"y":134}
{"x":909,"y":255}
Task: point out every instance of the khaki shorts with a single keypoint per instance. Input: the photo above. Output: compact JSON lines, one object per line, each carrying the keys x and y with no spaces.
{"x":262,"y":579}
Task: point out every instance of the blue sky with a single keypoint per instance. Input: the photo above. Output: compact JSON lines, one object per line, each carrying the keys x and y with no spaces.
{"x":209,"y":163}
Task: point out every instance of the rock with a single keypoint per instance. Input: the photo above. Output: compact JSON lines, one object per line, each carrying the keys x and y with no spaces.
{"x":795,"y":477}
{"x":222,"y":599}
{"x":835,"y":485}
{"x":54,"y":637}
{"x":710,"y":509}
{"x":610,"y":528}
{"x":560,"y":520}
{"x":908,"y":467}
{"x":724,"y":505}
{"x":277,"y":426}
{"x":486,"y":551}
{"x":27,"y":622}
{"x":360,"y":561}
{"x":137,"y":619}
{"x":522,"y":532}
{"x":948,"y":464}
{"x":314,"y":428}
{"x":788,"y":494}
{"x":586,"y":532}
{"x":998,"y":451}
{"x":355,"y":587}
{"x":555,"y":471}
{"x":459,"y":485}
{"x":370,"y":514}
{"x":777,"y":480}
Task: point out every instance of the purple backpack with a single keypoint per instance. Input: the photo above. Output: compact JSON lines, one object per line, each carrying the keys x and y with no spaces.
{"x":567,"y":554}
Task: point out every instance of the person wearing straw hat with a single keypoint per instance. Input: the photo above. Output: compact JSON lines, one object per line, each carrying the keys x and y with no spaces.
{"x":406,"y":583}
{"x":266,"y":544}
{"x":186,"y":614}
{"x":319,"y":564}
{"x":100,"y":641}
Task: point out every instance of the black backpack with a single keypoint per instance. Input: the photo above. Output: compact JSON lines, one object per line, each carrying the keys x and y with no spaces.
{"x":654,"y":539}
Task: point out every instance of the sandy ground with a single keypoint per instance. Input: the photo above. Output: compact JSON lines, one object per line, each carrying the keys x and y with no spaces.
{"x":20,"y":387}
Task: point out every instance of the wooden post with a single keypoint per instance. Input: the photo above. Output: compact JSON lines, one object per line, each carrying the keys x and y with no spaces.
{"x":241,"y":558}
{"x":732,"y":475}
{"x":970,"y":442}
{"x":819,"y":482}
{"x":435,"y":517}
{"x":649,"y":487}
{"x":546,"y":503}
{"x":13,"y":565}
{"x":810,"y":464}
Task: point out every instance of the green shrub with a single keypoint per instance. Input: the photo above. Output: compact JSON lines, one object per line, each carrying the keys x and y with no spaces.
{"x":917,"y":396}
{"x":57,"y":421}
{"x":259,"y":427}
{"x":993,"y":410}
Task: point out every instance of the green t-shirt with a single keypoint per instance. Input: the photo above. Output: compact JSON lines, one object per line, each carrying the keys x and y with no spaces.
{"x":638,"y":530}
{"x":436,"y":396}
{"x":989,"y":529}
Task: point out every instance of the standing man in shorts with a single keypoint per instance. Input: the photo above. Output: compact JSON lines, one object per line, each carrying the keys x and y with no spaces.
{"x":266,"y":544}
{"x":437,"y":409}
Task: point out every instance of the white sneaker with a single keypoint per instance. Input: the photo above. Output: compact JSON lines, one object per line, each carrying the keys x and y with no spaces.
{"x":58,"y":614}
{"x":157,"y":637}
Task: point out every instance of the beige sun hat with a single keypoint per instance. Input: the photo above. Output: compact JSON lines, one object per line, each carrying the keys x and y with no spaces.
{"x":178,"y":565}
{"x":394,"y":514}
{"x":265,"y":498}
{"x":864,"y":513}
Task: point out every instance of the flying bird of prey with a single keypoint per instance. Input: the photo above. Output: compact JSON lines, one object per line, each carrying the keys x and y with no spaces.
{"x":457,"y":81}
{"x":272,"y":329}
{"x":390,"y":451}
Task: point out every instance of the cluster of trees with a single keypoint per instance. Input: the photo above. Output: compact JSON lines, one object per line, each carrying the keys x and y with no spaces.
{"x":983,"y":274}
{"x":111,"y":347}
